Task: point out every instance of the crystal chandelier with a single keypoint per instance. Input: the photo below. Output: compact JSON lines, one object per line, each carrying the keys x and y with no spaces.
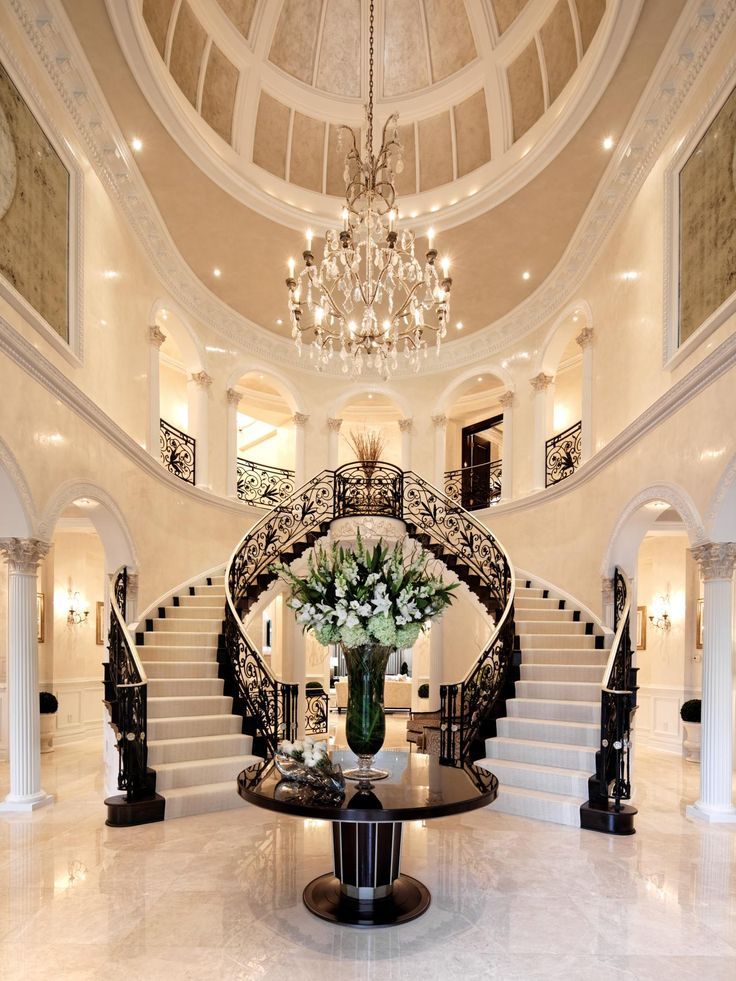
{"x":370,"y":299}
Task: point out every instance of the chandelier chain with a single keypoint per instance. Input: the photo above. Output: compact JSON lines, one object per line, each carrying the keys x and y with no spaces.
{"x":369,"y":135}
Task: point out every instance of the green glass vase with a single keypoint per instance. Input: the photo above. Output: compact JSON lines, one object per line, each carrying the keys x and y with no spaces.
{"x":366,"y":720}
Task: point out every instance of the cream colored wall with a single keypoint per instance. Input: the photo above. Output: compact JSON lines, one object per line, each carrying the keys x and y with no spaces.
{"x":173,"y":396}
{"x":568,"y":407}
{"x":275,"y":451}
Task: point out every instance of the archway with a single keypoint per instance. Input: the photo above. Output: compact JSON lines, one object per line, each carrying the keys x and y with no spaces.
{"x":366,"y":413}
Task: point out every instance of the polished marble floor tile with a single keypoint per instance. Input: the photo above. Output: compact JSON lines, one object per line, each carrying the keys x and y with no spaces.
{"x":218,"y":896}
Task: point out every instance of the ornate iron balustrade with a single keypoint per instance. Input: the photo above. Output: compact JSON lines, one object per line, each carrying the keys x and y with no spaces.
{"x":316,"y":711}
{"x":367,"y":488}
{"x":475,"y":487}
{"x":263,"y":486}
{"x":618,"y":705}
{"x":129,"y":706}
{"x":178,"y":452}
{"x":563,"y":453}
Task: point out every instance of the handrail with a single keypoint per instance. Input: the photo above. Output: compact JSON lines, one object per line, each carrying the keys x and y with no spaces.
{"x":475,"y":487}
{"x":129,"y":711}
{"x":475,"y":466}
{"x":262,"y":485}
{"x":178,"y":452}
{"x":562,"y":454}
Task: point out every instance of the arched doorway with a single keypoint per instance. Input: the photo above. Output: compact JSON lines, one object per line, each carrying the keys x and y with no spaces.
{"x":366,"y":413}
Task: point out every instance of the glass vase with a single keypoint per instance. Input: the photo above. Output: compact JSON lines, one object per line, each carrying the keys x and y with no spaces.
{"x":366,"y":720}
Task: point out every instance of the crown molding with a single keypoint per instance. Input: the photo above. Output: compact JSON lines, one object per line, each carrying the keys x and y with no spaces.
{"x":53,"y":39}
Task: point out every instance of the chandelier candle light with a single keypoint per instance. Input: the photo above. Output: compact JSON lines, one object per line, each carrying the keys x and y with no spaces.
{"x":366,"y":300}
{"x":372,"y":602}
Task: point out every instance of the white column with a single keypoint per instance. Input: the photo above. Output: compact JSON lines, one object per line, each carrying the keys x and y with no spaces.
{"x":436,"y":664}
{"x":294,"y":662}
{"x":507,"y":449}
{"x":333,"y":443}
{"x":440,"y":450}
{"x":156,"y":337}
{"x":607,"y":600}
{"x":231,"y":450}
{"x":717,"y":560}
{"x":585,"y":342}
{"x":405,"y":427}
{"x":300,"y":448}
{"x":198,"y":392}
{"x":543,"y":406}
{"x":23,"y":556}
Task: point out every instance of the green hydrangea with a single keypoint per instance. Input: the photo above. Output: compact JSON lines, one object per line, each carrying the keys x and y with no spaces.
{"x":407,"y":636}
{"x":354,"y":636}
{"x":383,"y":629}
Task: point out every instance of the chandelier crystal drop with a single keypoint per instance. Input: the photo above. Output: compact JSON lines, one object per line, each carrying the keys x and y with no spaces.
{"x":370,"y":299}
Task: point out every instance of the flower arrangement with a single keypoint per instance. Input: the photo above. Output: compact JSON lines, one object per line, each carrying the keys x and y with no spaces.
{"x":306,"y":761}
{"x":367,"y":596}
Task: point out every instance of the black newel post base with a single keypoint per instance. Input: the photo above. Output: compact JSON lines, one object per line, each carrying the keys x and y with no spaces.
{"x":367,"y":889}
{"x":608,"y":820}
{"x":122,"y":814}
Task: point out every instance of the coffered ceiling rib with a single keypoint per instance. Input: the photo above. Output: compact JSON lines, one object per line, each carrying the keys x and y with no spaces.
{"x":170,"y":31}
{"x":203,"y":72}
{"x":572,"y":7}
{"x":543,"y":69}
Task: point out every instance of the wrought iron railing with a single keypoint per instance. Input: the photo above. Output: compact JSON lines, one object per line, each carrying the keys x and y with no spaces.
{"x":475,"y":487}
{"x":368,"y":488}
{"x":618,"y":704}
{"x":178,"y":452}
{"x":563,"y":453}
{"x":127,"y":697}
{"x":263,"y":486}
{"x":315,"y":715}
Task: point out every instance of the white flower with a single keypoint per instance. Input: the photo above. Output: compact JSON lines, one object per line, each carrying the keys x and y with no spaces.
{"x":381,"y":601}
{"x":286,"y":746}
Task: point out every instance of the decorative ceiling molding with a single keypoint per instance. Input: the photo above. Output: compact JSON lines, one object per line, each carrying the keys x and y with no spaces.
{"x":54,"y":41}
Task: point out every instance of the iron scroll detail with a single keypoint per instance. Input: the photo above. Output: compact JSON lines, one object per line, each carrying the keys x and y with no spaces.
{"x":563,"y":454}
{"x":263,"y":486}
{"x":178,"y":452}
{"x":475,"y":487}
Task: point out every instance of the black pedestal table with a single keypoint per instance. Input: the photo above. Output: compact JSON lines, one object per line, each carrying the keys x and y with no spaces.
{"x":367,"y":887}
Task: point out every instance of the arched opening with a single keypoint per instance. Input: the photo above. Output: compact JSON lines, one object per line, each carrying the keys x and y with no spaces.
{"x":368,"y":413}
{"x":474,"y":442}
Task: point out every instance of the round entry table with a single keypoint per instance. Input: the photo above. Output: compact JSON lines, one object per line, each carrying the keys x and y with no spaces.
{"x":367,"y":887}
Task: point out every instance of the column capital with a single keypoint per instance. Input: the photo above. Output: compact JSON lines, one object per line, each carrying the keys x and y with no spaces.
{"x":23,"y":554}
{"x":300,"y":419}
{"x":585,"y":337}
{"x":334,"y":424}
{"x":405,"y":425}
{"x":201,"y":378}
{"x":507,"y":400}
{"x":607,"y":589}
{"x":440,"y":421}
{"x":156,"y":336}
{"x":716,"y":559}
{"x":233,"y":396}
{"x":541,"y":382}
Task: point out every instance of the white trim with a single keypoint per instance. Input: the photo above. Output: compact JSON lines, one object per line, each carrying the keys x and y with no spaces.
{"x":73,"y":350}
{"x":674,"y":353}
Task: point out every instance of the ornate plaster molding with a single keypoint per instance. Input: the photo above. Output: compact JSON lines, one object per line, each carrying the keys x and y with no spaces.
{"x":405,"y":425}
{"x":585,"y":337}
{"x":300,"y":419}
{"x":233,"y":396}
{"x":334,"y":425}
{"x":607,"y":590}
{"x":541,"y":382}
{"x":156,"y":336}
{"x":202,"y":379}
{"x":440,"y":420}
{"x":24,"y":554}
{"x":716,"y":559}
{"x":507,"y":400}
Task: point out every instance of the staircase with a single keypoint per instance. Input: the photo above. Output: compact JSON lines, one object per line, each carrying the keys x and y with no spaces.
{"x":545,"y":748}
{"x":195,"y":743}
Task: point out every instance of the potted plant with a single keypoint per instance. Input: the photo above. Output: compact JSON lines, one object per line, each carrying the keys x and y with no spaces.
{"x":404,"y":669}
{"x":690,"y":715}
{"x":423,"y":691}
{"x":48,"y":706}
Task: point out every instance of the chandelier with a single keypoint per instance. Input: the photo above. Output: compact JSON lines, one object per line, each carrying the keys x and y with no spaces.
{"x":370,"y":299}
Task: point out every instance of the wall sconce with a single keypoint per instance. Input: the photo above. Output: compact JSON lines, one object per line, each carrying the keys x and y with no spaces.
{"x":76,"y":615}
{"x":661,"y":618}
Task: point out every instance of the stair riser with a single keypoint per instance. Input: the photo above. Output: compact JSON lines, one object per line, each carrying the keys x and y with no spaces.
{"x":214,"y":613}
{"x":556,"y":642}
{"x":528,"y":806}
{"x":169,"y":707}
{"x":190,"y":687}
{"x":523,"y":603}
{"x":551,"y":627}
{"x":193,"y":749}
{"x":571,"y":758}
{"x":549,"y":614}
{"x":158,"y":653}
{"x":549,"y":731}
{"x":225,"y":798}
{"x":205,"y":642}
{"x":559,"y":691}
{"x":547,"y":781}
{"x":523,"y":594}
{"x":588,"y":673}
{"x":200,"y":772}
{"x":180,"y":669}
{"x":194,"y":726}
{"x":571,"y":657}
{"x":191,"y":626}
{"x":562,"y":711}
{"x":197,"y":602}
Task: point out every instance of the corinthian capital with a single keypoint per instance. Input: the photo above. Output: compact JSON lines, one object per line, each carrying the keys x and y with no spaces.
{"x":405,"y":425}
{"x":202,"y":379}
{"x":507,"y":400}
{"x":334,"y":425}
{"x":300,"y":419}
{"x":156,"y":336}
{"x":585,"y":337}
{"x":23,"y":554}
{"x":716,"y":559}
{"x":440,"y":421}
{"x":541,"y":381}
{"x":233,"y":396}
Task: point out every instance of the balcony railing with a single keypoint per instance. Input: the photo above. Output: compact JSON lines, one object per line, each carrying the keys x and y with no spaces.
{"x":263,"y":486}
{"x":177,"y":452}
{"x":475,"y":487}
{"x":563,"y":454}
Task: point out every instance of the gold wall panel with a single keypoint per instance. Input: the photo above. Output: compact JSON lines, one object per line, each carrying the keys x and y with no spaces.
{"x":307,"y":152}
{"x":525,"y":89}
{"x":405,"y":67}
{"x":451,"y":44}
{"x":471,"y":132}
{"x":240,"y":13}
{"x":218,"y":93}
{"x":187,"y":48}
{"x":590,"y":13}
{"x":435,"y":151}
{"x":157,"y":14}
{"x":295,"y":40}
{"x":560,"y":53}
{"x":339,"y":57}
{"x":272,"y":132}
{"x":506,"y":12}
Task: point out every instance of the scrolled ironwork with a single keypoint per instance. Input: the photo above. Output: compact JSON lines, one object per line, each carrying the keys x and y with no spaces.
{"x":475,"y":487}
{"x":178,"y":452}
{"x":129,"y":708}
{"x":563,"y":453}
{"x":620,"y":596}
{"x":368,"y":488}
{"x":315,"y":716}
{"x":263,"y":486}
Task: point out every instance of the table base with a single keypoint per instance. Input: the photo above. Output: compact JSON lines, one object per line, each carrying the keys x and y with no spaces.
{"x":408,"y":899}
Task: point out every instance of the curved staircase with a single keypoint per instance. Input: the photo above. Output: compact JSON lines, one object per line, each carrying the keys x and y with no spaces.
{"x":545,"y":748}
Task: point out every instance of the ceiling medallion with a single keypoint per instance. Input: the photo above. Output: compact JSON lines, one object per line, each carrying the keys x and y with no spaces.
{"x":366,"y":300}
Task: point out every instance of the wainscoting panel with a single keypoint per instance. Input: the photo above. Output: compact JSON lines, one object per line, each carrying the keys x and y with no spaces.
{"x":80,"y":708}
{"x":657,"y":721}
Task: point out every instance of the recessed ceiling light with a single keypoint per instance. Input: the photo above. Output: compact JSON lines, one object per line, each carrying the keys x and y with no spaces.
{"x":279,"y":321}
{"x":137,"y":144}
{"x":217,"y":272}
{"x":164,"y":314}
{"x":575,"y":319}
{"x":608,"y":143}
{"x":526,"y":274}
{"x":459,"y":325}
{"x":630,"y":274}
{"x":480,"y":379}
{"x":370,"y":395}
{"x":111,"y":274}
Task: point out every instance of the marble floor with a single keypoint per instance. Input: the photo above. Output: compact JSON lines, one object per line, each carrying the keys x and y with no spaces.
{"x":218,"y":896}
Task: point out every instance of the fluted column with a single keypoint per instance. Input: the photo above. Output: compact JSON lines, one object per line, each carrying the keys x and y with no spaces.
{"x":716,"y":560}
{"x":198,"y":392}
{"x":440,"y":449}
{"x":333,"y":443}
{"x":507,"y":448}
{"x":23,"y":556}
{"x":300,"y":447}
{"x":156,"y":337}
{"x":405,"y":428}
{"x":584,"y":341}
{"x":231,"y":452}
{"x":543,"y":405}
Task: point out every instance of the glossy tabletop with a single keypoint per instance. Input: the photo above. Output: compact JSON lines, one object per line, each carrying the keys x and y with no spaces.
{"x":417,"y":787}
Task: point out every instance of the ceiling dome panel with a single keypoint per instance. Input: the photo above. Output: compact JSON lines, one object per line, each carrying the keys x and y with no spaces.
{"x":240,"y":13}
{"x":338,"y":70}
